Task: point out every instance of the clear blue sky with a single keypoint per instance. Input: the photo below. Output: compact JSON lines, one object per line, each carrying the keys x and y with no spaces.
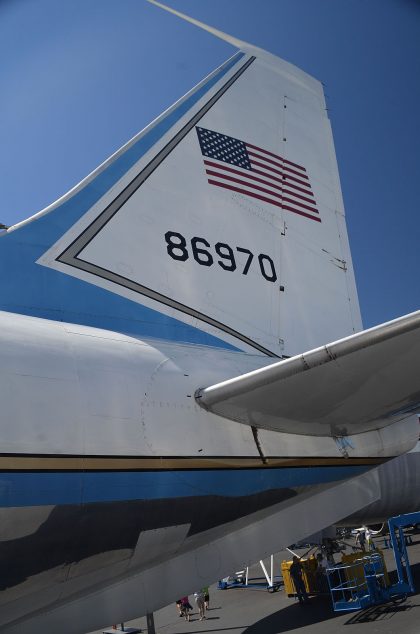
{"x":81,"y":77}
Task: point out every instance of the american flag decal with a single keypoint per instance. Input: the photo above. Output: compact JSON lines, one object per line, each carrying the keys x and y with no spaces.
{"x":252,"y":171}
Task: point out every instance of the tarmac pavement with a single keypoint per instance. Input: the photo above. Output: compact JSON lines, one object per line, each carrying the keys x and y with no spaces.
{"x":255,"y":611}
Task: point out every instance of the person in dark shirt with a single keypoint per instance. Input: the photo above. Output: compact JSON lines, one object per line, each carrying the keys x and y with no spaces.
{"x":361,"y":539}
{"x":296,"y":572}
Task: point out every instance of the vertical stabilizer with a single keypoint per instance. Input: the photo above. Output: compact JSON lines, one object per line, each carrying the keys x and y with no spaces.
{"x":221,"y":223}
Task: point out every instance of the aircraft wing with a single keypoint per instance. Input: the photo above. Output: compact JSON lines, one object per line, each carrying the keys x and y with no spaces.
{"x":363,"y":382}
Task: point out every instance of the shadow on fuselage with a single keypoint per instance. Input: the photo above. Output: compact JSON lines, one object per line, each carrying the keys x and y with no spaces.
{"x":75,"y":533}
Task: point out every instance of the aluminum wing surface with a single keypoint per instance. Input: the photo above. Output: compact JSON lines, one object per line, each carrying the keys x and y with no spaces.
{"x":361,"y":383}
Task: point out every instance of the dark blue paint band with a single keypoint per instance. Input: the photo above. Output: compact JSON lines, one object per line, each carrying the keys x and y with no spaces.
{"x":52,"y":488}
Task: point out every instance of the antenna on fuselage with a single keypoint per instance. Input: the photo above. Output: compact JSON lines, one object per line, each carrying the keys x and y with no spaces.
{"x":230,"y":39}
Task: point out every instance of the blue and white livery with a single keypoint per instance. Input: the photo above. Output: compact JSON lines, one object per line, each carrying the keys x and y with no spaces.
{"x":171,"y":406}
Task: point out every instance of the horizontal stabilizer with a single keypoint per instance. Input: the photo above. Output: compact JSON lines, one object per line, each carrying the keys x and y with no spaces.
{"x":357,"y":384}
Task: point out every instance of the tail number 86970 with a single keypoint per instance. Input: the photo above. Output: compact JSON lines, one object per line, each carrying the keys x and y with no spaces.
{"x":201,"y":250}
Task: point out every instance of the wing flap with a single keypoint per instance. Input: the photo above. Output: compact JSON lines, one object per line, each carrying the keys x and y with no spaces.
{"x":364,"y":382}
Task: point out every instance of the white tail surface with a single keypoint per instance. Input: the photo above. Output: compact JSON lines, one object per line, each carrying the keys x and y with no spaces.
{"x":232,"y":220}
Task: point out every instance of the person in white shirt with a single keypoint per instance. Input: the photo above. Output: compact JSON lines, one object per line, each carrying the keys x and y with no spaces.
{"x":199,"y":599}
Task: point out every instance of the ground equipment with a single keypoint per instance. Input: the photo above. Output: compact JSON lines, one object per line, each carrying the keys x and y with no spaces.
{"x":363,"y":582}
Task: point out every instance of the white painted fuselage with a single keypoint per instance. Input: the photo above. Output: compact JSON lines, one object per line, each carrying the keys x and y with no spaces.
{"x":211,"y":245}
{"x":111,"y":470}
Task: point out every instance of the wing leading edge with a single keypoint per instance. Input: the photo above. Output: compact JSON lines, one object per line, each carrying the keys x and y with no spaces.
{"x":360,"y":383}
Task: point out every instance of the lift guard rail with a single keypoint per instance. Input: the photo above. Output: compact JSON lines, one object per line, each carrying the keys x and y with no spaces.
{"x":362,"y":584}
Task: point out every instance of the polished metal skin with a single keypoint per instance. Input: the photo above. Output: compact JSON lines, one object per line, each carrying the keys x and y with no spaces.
{"x":399,"y":481}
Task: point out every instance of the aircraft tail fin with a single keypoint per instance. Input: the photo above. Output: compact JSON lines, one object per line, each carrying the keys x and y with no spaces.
{"x":221,"y":223}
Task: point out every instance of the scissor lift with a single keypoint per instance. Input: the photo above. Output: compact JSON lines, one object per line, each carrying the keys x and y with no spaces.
{"x":362,"y":583}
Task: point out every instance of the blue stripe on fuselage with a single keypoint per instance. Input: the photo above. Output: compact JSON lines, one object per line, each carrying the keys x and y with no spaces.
{"x":56,"y":488}
{"x":35,"y":290}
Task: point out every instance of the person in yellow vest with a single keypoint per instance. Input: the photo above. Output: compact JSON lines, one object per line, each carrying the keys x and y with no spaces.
{"x":369,"y":540}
